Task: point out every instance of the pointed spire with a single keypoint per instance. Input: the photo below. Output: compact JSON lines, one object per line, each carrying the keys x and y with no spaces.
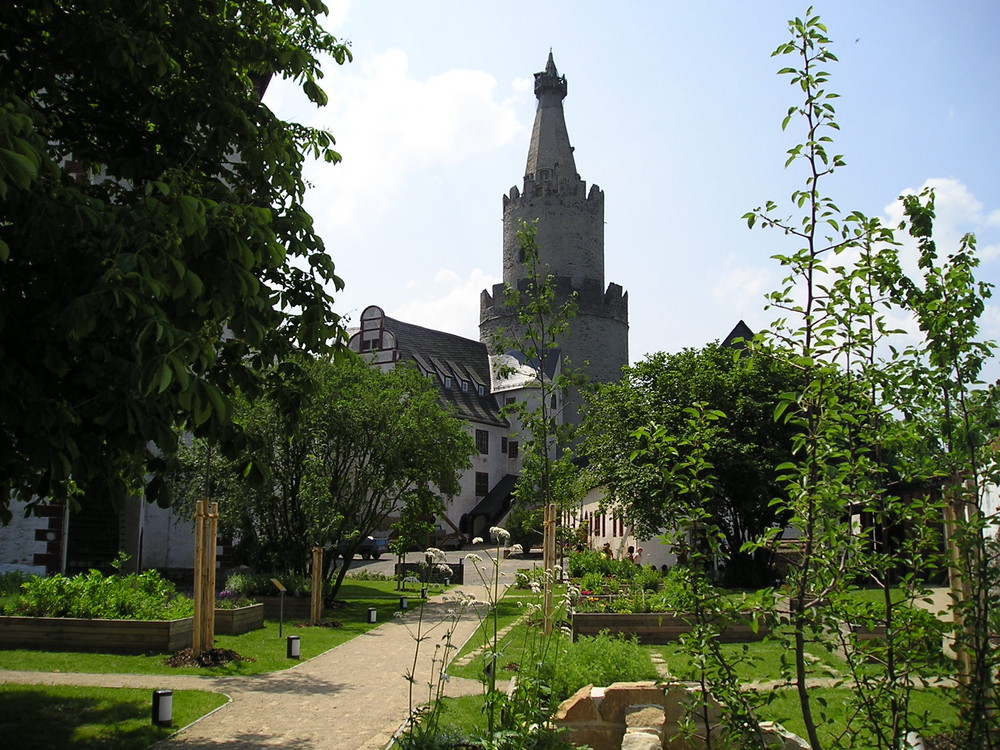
{"x":550,"y":153}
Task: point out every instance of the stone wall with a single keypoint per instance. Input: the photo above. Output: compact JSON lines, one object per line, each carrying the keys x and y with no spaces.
{"x":648,"y":716}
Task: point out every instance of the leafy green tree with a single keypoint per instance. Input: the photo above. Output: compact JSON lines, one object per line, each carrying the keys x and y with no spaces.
{"x":744,"y":445}
{"x":154,"y":252}
{"x":548,"y":474}
{"x":365,"y":445}
{"x":843,"y":282}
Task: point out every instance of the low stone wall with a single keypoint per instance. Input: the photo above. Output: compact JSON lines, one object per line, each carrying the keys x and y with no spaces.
{"x":648,"y":716}
{"x":107,"y":636}
{"x":655,"y":627}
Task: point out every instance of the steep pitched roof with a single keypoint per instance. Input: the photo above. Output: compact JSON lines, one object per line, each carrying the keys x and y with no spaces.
{"x":550,"y":147}
{"x":445,"y":356}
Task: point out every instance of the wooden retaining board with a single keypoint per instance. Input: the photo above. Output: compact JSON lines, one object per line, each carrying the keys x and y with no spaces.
{"x":108,"y":636}
{"x":654,"y":628}
{"x":239,"y":621}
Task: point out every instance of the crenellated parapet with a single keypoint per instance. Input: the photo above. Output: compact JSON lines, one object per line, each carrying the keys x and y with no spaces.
{"x":591,"y":300}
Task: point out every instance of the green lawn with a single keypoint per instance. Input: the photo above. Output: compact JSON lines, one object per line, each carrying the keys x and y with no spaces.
{"x":759,"y":661}
{"x":52,"y":717}
{"x":509,"y":610}
{"x":265,"y":647}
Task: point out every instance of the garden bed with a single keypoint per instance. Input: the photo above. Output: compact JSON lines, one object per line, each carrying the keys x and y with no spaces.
{"x":240,"y":620}
{"x":653,"y":628}
{"x":109,"y":636}
{"x":296,"y":607}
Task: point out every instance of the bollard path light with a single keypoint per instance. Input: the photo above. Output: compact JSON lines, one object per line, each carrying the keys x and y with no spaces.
{"x":163,"y":708}
{"x":404,"y":602}
{"x":372,"y":614}
{"x":292,"y":646}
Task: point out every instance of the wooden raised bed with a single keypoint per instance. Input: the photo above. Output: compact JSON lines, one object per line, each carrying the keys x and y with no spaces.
{"x":296,"y":607}
{"x":654,"y":627}
{"x":240,"y":620}
{"x":109,"y":636}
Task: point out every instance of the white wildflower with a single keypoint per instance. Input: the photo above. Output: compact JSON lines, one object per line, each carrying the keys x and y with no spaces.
{"x":477,"y":540}
{"x":434,"y":554}
{"x":442,"y":568}
{"x":411,"y":579}
{"x":473,"y":558}
{"x":535,"y":588}
{"x":398,"y":615}
{"x":517,"y":549}
{"x":499,"y":533}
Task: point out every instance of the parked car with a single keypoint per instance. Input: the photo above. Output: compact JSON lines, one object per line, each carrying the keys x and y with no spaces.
{"x":370,"y":548}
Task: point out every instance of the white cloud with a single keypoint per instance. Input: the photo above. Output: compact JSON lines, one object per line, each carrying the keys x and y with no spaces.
{"x":957,"y":212}
{"x":742,"y":288}
{"x":390,"y":125}
{"x":451,"y":304}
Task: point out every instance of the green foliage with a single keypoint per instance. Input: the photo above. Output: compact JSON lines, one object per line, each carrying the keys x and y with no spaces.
{"x":548,"y":474}
{"x":529,"y":578}
{"x":365,"y":444}
{"x":743,"y":446}
{"x":252,"y":585}
{"x":92,"y":595}
{"x":592,"y":582}
{"x":154,"y":246}
{"x":11,"y":582}
{"x":601,"y":660}
{"x":853,"y":460}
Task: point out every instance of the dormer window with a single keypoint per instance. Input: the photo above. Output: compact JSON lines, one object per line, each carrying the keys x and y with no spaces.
{"x":465,"y":386}
{"x":480,"y":390}
{"x":447,"y":381}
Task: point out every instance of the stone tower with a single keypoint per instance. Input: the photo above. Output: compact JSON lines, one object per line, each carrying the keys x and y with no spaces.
{"x":570,"y":246}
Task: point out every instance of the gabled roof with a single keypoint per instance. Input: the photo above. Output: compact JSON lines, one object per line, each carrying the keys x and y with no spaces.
{"x":740,"y":331}
{"x":445,"y":355}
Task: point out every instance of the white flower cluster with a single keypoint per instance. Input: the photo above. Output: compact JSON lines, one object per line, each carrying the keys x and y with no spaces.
{"x":496,"y":531}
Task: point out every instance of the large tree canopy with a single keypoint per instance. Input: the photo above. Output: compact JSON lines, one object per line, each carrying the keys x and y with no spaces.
{"x":744,"y":447}
{"x":154,"y":251}
{"x":364,"y":445}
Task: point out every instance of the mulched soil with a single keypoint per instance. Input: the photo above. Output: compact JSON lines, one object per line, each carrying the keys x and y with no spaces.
{"x":326,"y":624}
{"x":214,"y":657}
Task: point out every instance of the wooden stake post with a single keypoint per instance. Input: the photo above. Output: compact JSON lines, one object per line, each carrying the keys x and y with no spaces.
{"x":316,"y":603}
{"x":548,"y":563}
{"x":206,"y":527}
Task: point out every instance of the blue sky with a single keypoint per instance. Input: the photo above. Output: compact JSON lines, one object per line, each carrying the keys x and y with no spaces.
{"x":674,"y":109}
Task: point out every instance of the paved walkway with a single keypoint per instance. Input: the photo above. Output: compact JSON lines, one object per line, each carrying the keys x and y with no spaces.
{"x":353,"y":697}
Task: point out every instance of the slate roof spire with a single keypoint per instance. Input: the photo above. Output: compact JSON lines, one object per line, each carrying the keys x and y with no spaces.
{"x":550,"y":148}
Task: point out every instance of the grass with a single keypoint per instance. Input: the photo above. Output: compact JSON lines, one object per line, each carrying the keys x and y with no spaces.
{"x":758,"y":661}
{"x":509,"y":610}
{"x":931,"y":710}
{"x":59,"y":716}
{"x":264,"y":646}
